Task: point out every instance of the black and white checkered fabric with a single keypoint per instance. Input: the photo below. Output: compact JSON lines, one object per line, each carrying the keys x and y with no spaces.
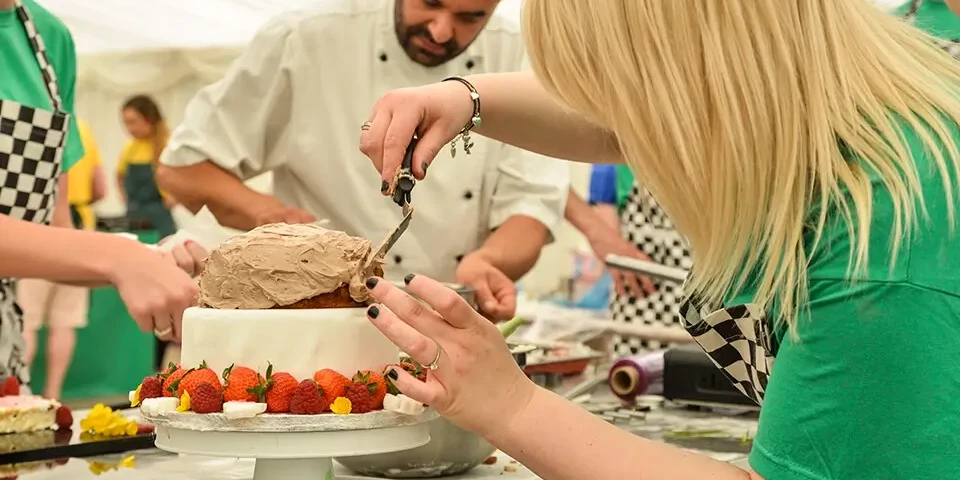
{"x":738,"y":341}
{"x":645,"y":224}
{"x":31,"y":149}
{"x":949,"y":45}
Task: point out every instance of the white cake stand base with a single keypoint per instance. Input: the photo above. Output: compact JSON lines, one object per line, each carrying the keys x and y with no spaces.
{"x":292,"y":455}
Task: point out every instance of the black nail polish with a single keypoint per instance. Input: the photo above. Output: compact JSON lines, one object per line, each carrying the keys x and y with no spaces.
{"x":425,"y":165}
{"x":373,"y":311}
{"x":393,"y":374}
{"x":384,"y":187}
{"x":372,"y":283}
{"x":408,"y":278}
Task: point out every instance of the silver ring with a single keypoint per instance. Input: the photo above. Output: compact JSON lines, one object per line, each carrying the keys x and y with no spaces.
{"x":164,"y":332}
{"x":366,"y":126}
{"x":435,"y":364}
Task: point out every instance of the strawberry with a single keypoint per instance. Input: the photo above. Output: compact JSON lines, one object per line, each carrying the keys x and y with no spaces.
{"x":11,"y":386}
{"x":243,"y":385}
{"x":62,"y":436}
{"x":375,"y":383}
{"x":206,"y":398}
{"x":360,"y":398}
{"x":170,"y":376}
{"x":150,"y":388}
{"x":308,"y":399}
{"x":280,"y":390}
{"x":415,"y":369}
{"x":144,"y":428}
{"x":331,"y":383}
{"x":64,"y":418}
{"x":196,"y":376}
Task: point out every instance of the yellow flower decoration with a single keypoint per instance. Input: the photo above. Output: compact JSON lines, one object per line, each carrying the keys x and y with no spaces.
{"x":98,"y":468}
{"x":104,"y":422}
{"x":341,"y":406}
{"x":184,"y":405}
{"x":136,"y":397}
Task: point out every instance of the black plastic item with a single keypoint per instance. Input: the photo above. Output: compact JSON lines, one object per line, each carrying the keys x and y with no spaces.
{"x":67,"y":444}
{"x":690,"y":377}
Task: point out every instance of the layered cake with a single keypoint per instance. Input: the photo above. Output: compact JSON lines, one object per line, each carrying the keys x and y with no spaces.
{"x":281,"y":329}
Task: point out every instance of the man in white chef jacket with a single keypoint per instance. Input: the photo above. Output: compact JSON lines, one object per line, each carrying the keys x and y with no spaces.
{"x":294,"y":103}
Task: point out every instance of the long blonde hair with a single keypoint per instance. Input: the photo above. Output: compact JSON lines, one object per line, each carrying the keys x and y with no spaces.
{"x":742,"y":118}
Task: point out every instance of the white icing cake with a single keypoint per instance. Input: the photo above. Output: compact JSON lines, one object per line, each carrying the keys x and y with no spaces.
{"x":27,"y":413}
{"x":297,"y":341}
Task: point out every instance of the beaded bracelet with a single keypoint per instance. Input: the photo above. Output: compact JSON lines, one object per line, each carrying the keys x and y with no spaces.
{"x":475,"y":119}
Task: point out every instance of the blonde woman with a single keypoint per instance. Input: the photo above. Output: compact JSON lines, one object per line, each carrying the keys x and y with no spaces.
{"x":806,"y":149}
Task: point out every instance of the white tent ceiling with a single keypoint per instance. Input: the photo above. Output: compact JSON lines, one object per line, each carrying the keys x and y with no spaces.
{"x":115,"y":26}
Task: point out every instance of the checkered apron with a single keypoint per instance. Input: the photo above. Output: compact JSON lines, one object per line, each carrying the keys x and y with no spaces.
{"x":645,"y":224}
{"x":950,"y":45}
{"x":735,"y":338}
{"x":31,"y":148}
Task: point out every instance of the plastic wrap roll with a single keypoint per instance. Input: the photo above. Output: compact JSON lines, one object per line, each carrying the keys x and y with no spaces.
{"x":637,"y":375}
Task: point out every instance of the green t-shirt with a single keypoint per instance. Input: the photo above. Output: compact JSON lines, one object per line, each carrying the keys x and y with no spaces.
{"x":871,"y":389}
{"x":20,"y":77}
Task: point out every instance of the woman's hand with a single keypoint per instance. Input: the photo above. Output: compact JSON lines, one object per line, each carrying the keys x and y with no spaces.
{"x":189,"y":256}
{"x":155,"y":289}
{"x":435,"y":112}
{"x":477,"y":383}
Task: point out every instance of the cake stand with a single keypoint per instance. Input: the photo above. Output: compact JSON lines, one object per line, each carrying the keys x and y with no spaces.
{"x":291,"y":447}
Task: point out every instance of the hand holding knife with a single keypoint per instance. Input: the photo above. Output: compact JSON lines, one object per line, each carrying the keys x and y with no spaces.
{"x":403,"y":187}
{"x":401,"y":196}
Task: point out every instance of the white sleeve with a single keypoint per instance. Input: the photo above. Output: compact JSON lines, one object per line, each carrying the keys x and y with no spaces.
{"x":241,"y":122}
{"x":530,"y":185}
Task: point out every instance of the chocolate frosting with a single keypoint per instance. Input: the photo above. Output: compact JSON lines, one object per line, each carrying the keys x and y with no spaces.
{"x":280,"y":264}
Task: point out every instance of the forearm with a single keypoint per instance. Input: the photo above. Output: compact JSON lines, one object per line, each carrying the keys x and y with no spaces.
{"x":517,"y":110}
{"x":29,"y":250}
{"x":581,"y":215}
{"x":515,"y":245}
{"x":206,"y":184}
{"x":584,"y":446}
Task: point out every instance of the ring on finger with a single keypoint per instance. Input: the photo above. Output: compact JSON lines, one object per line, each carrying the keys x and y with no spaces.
{"x":163,"y":332}
{"x":366,"y":126}
{"x":435,"y":364}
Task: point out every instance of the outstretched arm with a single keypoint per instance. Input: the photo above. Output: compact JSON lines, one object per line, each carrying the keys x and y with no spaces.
{"x":560,"y":440}
{"x":517,"y":110}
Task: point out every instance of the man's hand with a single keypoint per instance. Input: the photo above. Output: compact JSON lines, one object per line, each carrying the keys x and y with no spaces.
{"x":605,"y":241}
{"x":496,"y":293}
{"x":270,"y":210}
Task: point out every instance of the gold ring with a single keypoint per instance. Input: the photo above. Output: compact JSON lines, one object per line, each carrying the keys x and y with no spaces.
{"x":435,"y":364}
{"x":366,"y":126}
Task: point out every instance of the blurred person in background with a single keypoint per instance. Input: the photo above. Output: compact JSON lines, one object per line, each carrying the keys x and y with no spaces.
{"x":61,"y":307}
{"x":87,"y":180}
{"x":296,"y":102}
{"x":39,"y":143}
{"x":596,"y":219}
{"x":636,"y":226}
{"x":148,"y":207}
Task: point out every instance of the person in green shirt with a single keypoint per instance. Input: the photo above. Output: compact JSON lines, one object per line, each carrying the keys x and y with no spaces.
{"x":809,"y":150}
{"x":39,"y":142}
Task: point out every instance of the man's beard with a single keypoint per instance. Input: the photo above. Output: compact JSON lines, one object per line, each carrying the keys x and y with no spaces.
{"x":405,"y":35}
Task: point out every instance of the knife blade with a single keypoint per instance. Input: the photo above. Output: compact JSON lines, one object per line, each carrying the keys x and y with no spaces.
{"x":380,"y":252}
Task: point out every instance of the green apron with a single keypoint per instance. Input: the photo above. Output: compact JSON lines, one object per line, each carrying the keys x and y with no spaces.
{"x":145,"y":207}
